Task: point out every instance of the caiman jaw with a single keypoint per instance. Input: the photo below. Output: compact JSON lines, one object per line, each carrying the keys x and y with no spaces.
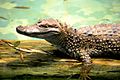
{"x":36,"y":31}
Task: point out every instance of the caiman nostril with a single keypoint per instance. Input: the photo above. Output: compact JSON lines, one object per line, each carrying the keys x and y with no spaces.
{"x":21,"y":28}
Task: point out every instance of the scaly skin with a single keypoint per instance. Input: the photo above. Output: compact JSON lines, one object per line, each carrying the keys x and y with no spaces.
{"x":97,"y":40}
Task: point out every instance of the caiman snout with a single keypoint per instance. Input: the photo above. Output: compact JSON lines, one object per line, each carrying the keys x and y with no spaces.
{"x":43,"y":29}
{"x":20,"y":29}
{"x":27,"y":29}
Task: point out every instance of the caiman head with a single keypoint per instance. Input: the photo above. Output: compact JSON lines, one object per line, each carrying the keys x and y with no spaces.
{"x":42,"y":29}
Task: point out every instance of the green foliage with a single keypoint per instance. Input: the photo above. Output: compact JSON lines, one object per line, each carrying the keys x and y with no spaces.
{"x":16,"y":44}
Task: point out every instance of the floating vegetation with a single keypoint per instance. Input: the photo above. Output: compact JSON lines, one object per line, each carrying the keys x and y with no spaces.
{"x":1,"y":17}
{"x":12,"y":1}
{"x":16,"y":44}
{"x":21,"y":57}
{"x":22,"y":7}
{"x":21,"y":50}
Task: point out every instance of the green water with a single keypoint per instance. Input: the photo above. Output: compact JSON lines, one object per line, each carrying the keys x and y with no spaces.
{"x":77,"y":13}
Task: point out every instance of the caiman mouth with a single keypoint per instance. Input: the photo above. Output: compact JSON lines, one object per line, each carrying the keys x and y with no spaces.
{"x":27,"y":33}
{"x":35,"y":32}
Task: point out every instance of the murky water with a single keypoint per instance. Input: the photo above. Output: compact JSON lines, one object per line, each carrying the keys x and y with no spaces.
{"x":77,"y":13}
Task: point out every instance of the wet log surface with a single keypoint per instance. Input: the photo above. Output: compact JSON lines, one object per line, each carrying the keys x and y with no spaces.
{"x":50,"y":67}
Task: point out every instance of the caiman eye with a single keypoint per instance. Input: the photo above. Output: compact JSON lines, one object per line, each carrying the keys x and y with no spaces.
{"x":53,"y":26}
{"x":45,"y":26}
{"x":39,"y":21}
{"x":50,"y":26}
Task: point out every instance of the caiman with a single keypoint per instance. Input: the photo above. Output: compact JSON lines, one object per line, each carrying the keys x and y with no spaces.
{"x":81,"y":44}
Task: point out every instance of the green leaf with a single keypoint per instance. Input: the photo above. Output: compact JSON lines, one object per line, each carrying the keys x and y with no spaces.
{"x":17,"y":43}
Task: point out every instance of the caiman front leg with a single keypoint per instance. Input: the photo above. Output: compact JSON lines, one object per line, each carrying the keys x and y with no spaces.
{"x":83,"y":56}
{"x":86,"y":64}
